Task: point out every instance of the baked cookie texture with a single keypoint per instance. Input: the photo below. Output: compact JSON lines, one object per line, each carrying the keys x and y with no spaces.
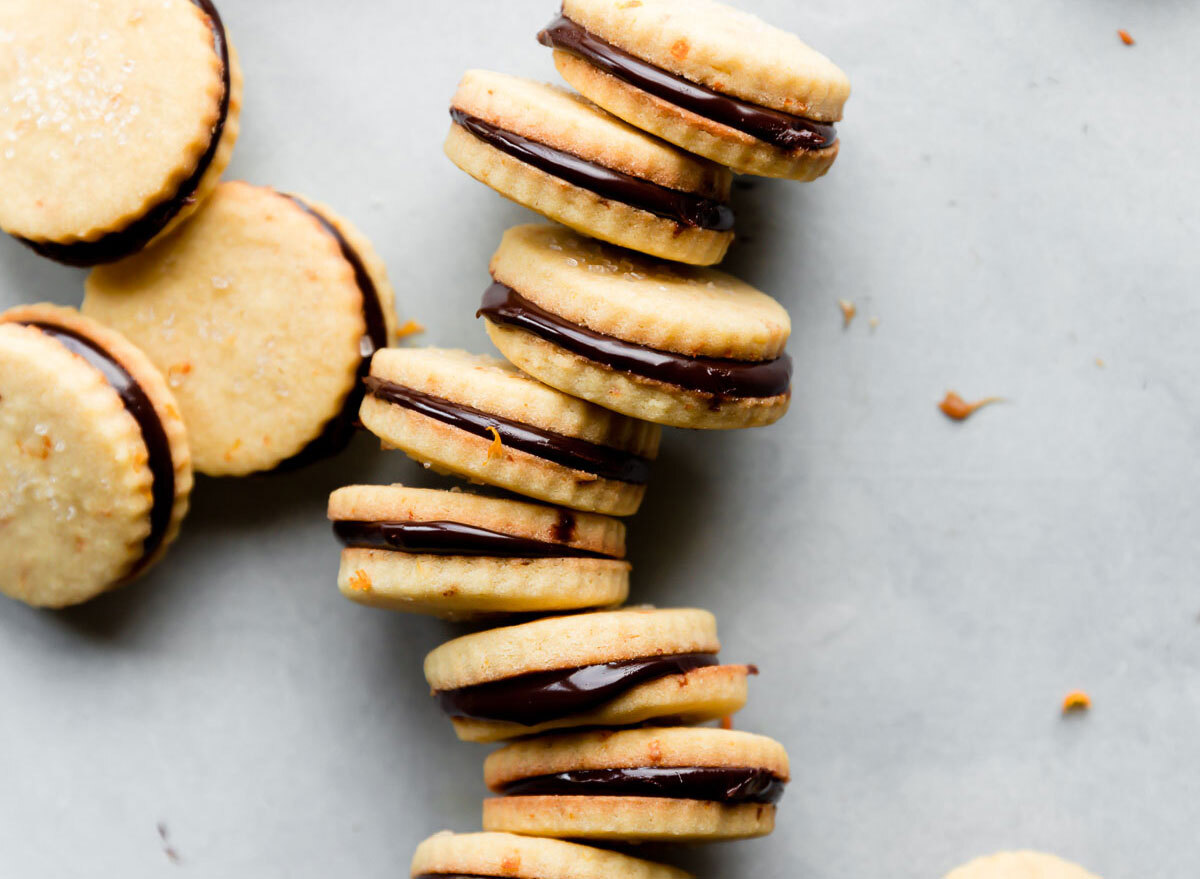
{"x":258,"y":318}
{"x":560,"y":560}
{"x":90,"y":501}
{"x":725,"y":52}
{"x":698,"y":314}
{"x":493,"y":393}
{"x":1020,"y":865}
{"x":116,"y":121}
{"x":553,"y":118}
{"x":524,"y":857}
{"x":586,"y":763}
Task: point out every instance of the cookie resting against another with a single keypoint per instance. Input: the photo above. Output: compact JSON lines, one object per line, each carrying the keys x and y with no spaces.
{"x":95,"y":471}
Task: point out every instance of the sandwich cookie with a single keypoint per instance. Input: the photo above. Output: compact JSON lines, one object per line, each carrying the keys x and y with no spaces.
{"x":657,"y":784}
{"x":94,"y":465}
{"x":609,"y":668}
{"x":455,"y":555}
{"x":263,"y":312}
{"x":481,"y":419}
{"x":713,"y":80}
{"x":1020,"y":865}
{"x":676,"y":345}
{"x":505,"y":856}
{"x":116,"y":121}
{"x":562,"y":156}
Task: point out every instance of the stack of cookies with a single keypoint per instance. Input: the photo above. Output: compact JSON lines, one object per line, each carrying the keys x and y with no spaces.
{"x":612,"y":324}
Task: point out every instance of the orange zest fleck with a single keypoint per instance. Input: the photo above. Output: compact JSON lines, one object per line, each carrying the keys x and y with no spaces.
{"x":954,"y":406}
{"x":1126,"y":37}
{"x":496,"y":449}
{"x":410,"y":328}
{"x":727,"y":722}
{"x":849,"y":312}
{"x":1076,"y":701}
{"x":360,"y":582}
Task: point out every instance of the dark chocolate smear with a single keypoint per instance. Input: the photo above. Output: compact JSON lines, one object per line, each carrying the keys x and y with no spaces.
{"x":685,"y":208}
{"x":577,"y":454}
{"x":338,"y":432}
{"x":128,"y":241}
{"x":780,"y":129}
{"x":729,"y":786}
{"x":534,"y":698}
{"x":451,"y":538}
{"x":138,"y":404}
{"x":710,"y":375}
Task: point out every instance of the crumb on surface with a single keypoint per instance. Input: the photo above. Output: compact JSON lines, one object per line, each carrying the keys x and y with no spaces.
{"x":169,"y":850}
{"x":849,"y":312}
{"x":1126,"y":37}
{"x":1100,"y":363}
{"x":873,"y":323}
{"x":1076,"y":701}
{"x":955,"y":407}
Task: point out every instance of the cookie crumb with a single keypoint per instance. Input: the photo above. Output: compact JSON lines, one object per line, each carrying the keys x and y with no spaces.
{"x":496,"y":449}
{"x":164,"y":836}
{"x":1100,"y":363}
{"x":955,"y":407}
{"x":410,"y":328}
{"x":873,"y":324}
{"x":849,"y":312}
{"x":1076,"y":701}
{"x":360,"y":581}
{"x":1126,"y":37}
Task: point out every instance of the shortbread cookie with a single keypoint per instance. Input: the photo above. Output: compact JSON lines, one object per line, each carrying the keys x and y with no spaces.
{"x":610,"y":668}
{"x":263,"y":312}
{"x":562,"y":156}
{"x":661,"y":784}
{"x":505,"y":856}
{"x":677,"y":345}
{"x":458,"y":555}
{"x":95,"y":471}
{"x":116,"y":121}
{"x":1020,"y":865}
{"x":482,"y":419}
{"x":711,"y":79}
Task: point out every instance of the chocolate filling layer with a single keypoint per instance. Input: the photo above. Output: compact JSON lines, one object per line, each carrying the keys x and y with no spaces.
{"x":139,"y":233}
{"x":709,"y":375}
{"x":780,"y":129}
{"x":451,"y":538}
{"x":603,"y":461}
{"x":338,"y":432}
{"x":154,"y":435}
{"x":720,"y":784}
{"x":685,"y":208}
{"x":534,"y":698}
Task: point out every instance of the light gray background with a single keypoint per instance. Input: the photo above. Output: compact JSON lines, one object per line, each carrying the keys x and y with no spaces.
{"x":1016,"y":197}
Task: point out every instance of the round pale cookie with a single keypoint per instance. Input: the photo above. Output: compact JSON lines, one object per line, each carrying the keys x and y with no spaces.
{"x":93,"y":457}
{"x":522,"y":857}
{"x":481,"y":419}
{"x":262,"y":312}
{"x":117,"y":120}
{"x":628,"y":816}
{"x":624,"y":331}
{"x":708,"y":78}
{"x":562,"y":156}
{"x":1020,"y":865}
{"x":484,"y":555}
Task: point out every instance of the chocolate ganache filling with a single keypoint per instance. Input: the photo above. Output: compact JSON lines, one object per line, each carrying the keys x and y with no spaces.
{"x":780,"y":129}
{"x":727,"y":785}
{"x":118,"y":245}
{"x":710,"y":375}
{"x":451,"y":538}
{"x":578,"y":454}
{"x":685,"y":208}
{"x":338,"y":432}
{"x":138,"y":404}
{"x":541,"y":696}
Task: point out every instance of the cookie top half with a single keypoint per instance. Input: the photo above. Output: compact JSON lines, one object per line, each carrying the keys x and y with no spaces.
{"x":521,"y":857}
{"x":262,"y":311}
{"x":725,"y":49}
{"x":1020,"y":865}
{"x":693,"y":311}
{"x":115,"y":119}
{"x":94,"y":458}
